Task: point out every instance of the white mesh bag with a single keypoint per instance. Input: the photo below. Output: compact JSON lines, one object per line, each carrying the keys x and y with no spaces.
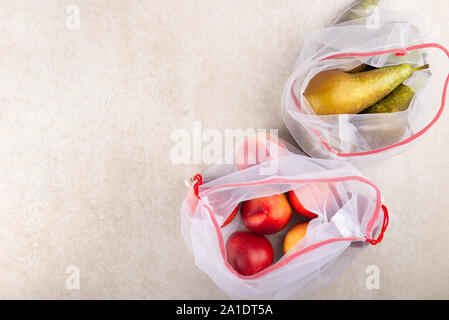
{"x":350,"y":215}
{"x":383,"y":38}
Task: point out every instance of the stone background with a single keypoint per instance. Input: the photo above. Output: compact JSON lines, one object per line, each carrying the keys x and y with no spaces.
{"x":85,"y":121}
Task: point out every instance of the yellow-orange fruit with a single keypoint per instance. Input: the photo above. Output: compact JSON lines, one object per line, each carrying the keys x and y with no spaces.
{"x":295,"y":235}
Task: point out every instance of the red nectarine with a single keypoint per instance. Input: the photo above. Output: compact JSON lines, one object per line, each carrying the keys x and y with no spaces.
{"x":257,"y":149}
{"x":266,"y":215}
{"x":312,"y":197}
{"x":231,"y":217}
{"x":249,"y":253}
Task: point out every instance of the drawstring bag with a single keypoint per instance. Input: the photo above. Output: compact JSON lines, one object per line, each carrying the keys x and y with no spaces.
{"x":348,"y":216}
{"x":383,"y":38}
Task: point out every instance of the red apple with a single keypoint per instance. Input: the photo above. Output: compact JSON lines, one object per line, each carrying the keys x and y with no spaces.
{"x":266,"y":215}
{"x":249,"y":253}
{"x":311,"y":197}
{"x":231,"y":217}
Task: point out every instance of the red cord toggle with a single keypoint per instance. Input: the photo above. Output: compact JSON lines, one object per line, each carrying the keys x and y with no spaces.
{"x":384,"y":228}
{"x":198,"y":181}
{"x":403,"y":53}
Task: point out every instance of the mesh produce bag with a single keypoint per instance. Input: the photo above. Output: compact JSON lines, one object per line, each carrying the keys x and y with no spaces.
{"x":349,"y":213}
{"x":382,"y":38}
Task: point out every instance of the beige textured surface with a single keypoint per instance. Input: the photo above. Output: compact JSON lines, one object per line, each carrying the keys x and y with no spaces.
{"x":85,"y":123}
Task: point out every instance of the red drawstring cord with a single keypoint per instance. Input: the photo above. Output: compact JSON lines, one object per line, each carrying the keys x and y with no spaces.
{"x":198,"y":181}
{"x":384,"y":228}
{"x":403,"y":53}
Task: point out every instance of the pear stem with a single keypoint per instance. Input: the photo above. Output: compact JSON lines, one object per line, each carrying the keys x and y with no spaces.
{"x":421,"y":68}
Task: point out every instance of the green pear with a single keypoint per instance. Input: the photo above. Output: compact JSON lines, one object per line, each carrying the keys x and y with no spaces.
{"x":398,"y":100}
{"x":337,"y":92}
{"x":359,"y":9}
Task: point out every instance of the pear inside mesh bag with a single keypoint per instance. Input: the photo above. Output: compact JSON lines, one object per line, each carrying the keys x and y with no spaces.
{"x":382,"y":39}
{"x":348,"y":211}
